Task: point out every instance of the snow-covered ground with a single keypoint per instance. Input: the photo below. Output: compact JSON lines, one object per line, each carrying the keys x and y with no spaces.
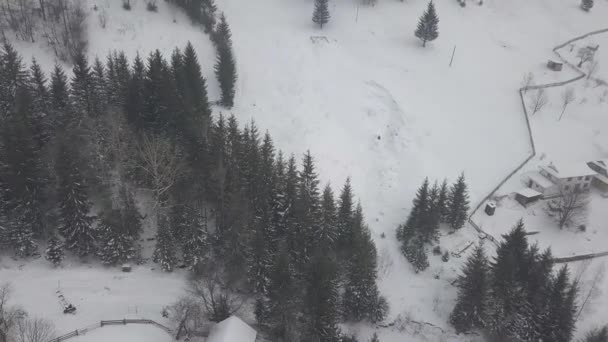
{"x":370,"y":103}
{"x":131,"y":333}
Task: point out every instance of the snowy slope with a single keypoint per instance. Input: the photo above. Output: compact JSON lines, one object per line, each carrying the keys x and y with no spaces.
{"x":371,"y":103}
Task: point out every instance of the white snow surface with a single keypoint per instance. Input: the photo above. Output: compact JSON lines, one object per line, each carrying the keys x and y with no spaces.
{"x":371,"y":103}
{"x":232,"y":329}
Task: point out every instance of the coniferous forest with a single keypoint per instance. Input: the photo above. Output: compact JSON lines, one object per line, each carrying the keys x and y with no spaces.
{"x":78,"y":148}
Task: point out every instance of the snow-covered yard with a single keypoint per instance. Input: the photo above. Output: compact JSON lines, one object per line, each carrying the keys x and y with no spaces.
{"x":131,"y":333}
{"x":370,"y":103}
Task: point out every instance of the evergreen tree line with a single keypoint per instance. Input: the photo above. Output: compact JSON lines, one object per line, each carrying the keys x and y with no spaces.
{"x":432,"y":206}
{"x":516,"y":296}
{"x":69,"y":144}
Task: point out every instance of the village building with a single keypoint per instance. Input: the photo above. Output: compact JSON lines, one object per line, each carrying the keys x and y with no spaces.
{"x":553,"y":179}
{"x":232,"y":329}
{"x":600,"y":180}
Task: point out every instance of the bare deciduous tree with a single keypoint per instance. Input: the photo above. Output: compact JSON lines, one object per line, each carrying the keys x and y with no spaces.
{"x":539,"y":100}
{"x":34,"y":330}
{"x":160,"y":162}
{"x":8,"y":315}
{"x":570,"y":208}
{"x":592,"y":68}
{"x":567,"y":97}
{"x":218,"y":300}
{"x":585,"y":54}
{"x":187,"y":317}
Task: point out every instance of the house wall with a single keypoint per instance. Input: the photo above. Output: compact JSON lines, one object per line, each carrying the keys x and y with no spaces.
{"x":575,"y":183}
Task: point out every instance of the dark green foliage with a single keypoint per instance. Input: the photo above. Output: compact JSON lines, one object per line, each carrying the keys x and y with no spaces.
{"x":282,"y":303}
{"x":81,"y":86}
{"x":164,"y":252}
{"x":75,"y":220}
{"x":427,"y":29}
{"x":458,"y":204}
{"x":115,"y":243}
{"x":54,"y":250}
{"x":471,"y":307}
{"x":517,"y":297}
{"x":345,"y":216}
{"x":321,"y":301}
{"x":597,"y":335}
{"x":225,"y":66}
{"x":326,"y":236}
{"x":307,"y":207}
{"x":320,"y":15}
{"x":59,"y":90}
{"x":361,"y":296}
{"x":193,"y":236}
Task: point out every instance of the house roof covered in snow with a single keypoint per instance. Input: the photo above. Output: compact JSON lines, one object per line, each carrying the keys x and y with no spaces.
{"x":541,"y":180}
{"x":528,"y":193}
{"x":232,"y":329}
{"x":567,"y":170}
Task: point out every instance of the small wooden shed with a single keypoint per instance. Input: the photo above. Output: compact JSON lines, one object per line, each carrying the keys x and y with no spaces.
{"x":490,"y":208}
{"x":555,"y":66}
{"x":527,"y":196}
{"x":126,"y":268}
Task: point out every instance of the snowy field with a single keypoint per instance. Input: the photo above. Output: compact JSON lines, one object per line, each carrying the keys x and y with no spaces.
{"x":131,"y":333}
{"x":370,"y":103}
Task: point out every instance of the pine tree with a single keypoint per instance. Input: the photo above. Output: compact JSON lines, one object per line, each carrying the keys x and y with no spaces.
{"x":458,"y":203}
{"x":115,"y":243}
{"x":164,"y":252}
{"x":427,"y":25}
{"x":597,"y":335}
{"x":74,"y":206}
{"x":326,"y":236}
{"x":307,"y":207}
{"x":320,"y":15}
{"x":41,"y":121}
{"x":195,"y":240}
{"x":321,"y":301}
{"x":508,"y":308}
{"x":442,"y":200}
{"x":99,"y":95}
{"x":54,"y":250}
{"x":559,"y":323}
{"x":362,"y":299}
{"x":586,"y":5}
{"x":81,"y":87}
{"x":470,"y":310}
{"x":134,"y":105}
{"x":59,"y":89}
{"x":282,"y":294}
{"x":225,"y":66}
{"x":345,"y":217}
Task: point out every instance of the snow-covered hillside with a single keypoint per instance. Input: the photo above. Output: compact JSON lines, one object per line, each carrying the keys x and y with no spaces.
{"x":369,"y":102}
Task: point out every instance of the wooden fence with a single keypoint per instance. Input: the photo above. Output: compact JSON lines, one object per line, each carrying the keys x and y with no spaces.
{"x":522,"y":91}
{"x":101,"y":324}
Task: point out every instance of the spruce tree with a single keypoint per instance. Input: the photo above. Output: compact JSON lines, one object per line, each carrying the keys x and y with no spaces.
{"x":225,"y":66}
{"x":427,"y":25}
{"x":195,"y":240}
{"x":560,"y":319}
{"x":362,"y":299}
{"x":326,"y":236}
{"x":442,"y":200}
{"x":320,"y":15}
{"x":115,"y":243}
{"x":59,"y":90}
{"x":345,"y":217}
{"x":307,"y":208}
{"x":164,"y":251}
{"x":458,"y":203}
{"x":41,"y":121}
{"x":99,"y":95}
{"x":321,"y":301}
{"x":54,"y":250}
{"x":586,"y":5}
{"x":194,"y":96}
{"x":470,"y":310}
{"x":414,"y":251}
{"x":597,"y":335}
{"x":74,"y":206}
{"x":81,"y":86}
{"x":282,"y":304}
